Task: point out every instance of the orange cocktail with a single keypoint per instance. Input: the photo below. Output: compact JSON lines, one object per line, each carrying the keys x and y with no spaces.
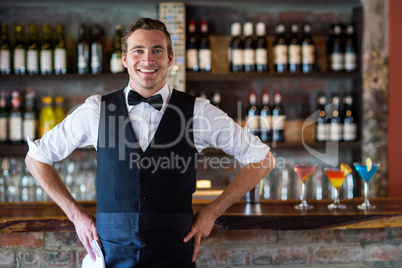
{"x":336,"y":176}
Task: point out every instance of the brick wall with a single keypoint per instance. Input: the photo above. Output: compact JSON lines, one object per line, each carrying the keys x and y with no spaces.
{"x":226,"y":248}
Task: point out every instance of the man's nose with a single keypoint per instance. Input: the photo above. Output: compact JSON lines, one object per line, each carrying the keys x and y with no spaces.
{"x":147,"y":57}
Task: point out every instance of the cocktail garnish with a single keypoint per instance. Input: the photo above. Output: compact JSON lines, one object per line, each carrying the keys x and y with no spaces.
{"x":345,"y":169}
{"x":369,"y":164}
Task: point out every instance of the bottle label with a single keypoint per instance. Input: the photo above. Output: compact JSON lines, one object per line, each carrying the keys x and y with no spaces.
{"x":29,"y":128}
{"x":252,"y":122}
{"x":82,"y":63}
{"x":192,"y":59}
{"x":335,"y":132}
{"x":3,"y":128}
{"x":322,"y":132}
{"x":95,"y":61}
{"x":4,"y":60}
{"x":237,"y":56}
{"x":204,"y":56}
{"x":15,"y":128}
{"x":336,"y":61}
{"x":349,"y":132}
{"x":32,"y":61}
{"x":249,"y":57}
{"x":350,"y":61}
{"x":265,"y":122}
{"x":278,"y":122}
{"x":116,"y":64}
{"x":261,"y":56}
{"x":19,"y":59}
{"x":46,"y":61}
{"x":294,"y":54}
{"x":308,"y":52}
{"x":281,"y":54}
{"x":60,"y":57}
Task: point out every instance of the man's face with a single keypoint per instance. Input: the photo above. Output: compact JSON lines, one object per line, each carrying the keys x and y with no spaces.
{"x":147,"y":60}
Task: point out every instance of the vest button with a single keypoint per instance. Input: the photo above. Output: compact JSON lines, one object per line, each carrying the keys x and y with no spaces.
{"x":142,"y":198}
{"x":142,"y":178}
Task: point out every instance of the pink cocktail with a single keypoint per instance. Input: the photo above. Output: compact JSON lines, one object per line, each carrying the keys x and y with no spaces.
{"x":304,"y":172}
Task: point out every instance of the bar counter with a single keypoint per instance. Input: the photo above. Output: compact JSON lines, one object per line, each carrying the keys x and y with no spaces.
{"x":268,"y":214}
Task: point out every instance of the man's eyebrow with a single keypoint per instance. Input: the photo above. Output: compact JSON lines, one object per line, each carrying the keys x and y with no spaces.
{"x":140,"y":46}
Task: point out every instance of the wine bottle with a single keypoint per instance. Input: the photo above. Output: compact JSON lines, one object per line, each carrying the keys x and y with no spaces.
{"x":278,"y":119}
{"x":96,"y":50}
{"x":350,"y":58}
{"x":336,"y":50}
{"x":83,"y":51}
{"x":47,"y":116}
{"x":261,"y":51}
{"x":349,"y":121}
{"x":335,"y":126}
{"x":19,"y":51}
{"x":294,"y":49}
{"x":280,"y":49}
{"x":5,"y":54}
{"x":321,"y":126}
{"x":60,"y":52}
{"x":29,"y":118}
{"x":192,"y":48}
{"x":33,"y":50}
{"x":252,"y":118}
{"x":265,"y":119}
{"x":46,"y":53}
{"x":204,"y":53}
{"x":116,"y":63}
{"x":15,"y":134}
{"x":307,"y":50}
{"x":59,"y":109}
{"x":4,"y":117}
{"x":236,"y":51}
{"x":249,"y":48}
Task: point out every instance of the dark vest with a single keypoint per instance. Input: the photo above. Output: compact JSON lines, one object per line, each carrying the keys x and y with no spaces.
{"x":161,"y":179}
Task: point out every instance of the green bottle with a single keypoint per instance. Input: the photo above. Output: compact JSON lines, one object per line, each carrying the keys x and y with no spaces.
{"x":19,"y":51}
{"x":5,"y":54}
{"x":46,"y":53}
{"x":33,"y":50}
{"x":60,"y":52}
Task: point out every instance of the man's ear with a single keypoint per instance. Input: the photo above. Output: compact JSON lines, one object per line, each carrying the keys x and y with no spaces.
{"x":171,"y":59}
{"x":124,"y":59}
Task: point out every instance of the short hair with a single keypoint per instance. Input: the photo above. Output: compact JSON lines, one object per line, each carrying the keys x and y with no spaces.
{"x":146,"y":24}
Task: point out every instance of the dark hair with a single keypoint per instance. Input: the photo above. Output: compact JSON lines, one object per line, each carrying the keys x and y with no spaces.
{"x":146,"y":24}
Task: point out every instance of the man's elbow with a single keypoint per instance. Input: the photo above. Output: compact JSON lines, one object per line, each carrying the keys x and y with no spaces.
{"x":269,"y":163}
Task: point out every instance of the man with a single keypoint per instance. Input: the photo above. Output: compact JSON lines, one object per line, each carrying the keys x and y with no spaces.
{"x":144,"y":215}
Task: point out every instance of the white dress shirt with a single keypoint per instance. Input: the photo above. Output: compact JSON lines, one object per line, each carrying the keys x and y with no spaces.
{"x":212,"y":128}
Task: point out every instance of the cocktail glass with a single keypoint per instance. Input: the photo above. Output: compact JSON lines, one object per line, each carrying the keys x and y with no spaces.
{"x":304,"y":171}
{"x":366,"y":174}
{"x":336,"y":177}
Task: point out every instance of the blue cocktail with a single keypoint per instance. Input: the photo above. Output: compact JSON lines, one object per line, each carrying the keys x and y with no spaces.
{"x":366,"y":172}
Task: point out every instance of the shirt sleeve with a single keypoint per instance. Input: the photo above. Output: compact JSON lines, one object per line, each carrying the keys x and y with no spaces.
{"x":213,"y":128}
{"x":79,"y":129}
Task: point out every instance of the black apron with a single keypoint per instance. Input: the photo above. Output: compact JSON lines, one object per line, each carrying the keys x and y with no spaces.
{"x":143,"y":213}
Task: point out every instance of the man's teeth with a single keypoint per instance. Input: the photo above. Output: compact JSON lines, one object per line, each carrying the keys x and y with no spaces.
{"x":147,"y":70}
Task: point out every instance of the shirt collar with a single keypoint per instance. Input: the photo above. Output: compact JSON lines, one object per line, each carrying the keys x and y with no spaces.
{"x":165,"y":91}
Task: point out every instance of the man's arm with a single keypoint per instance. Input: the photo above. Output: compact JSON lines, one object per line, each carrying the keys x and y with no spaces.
{"x":51,"y":182}
{"x":245,"y":180}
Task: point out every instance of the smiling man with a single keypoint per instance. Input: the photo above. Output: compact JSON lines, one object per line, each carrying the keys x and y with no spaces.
{"x":144,"y":209}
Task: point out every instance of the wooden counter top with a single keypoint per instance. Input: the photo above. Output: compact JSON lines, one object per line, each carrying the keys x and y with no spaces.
{"x":269,"y":214}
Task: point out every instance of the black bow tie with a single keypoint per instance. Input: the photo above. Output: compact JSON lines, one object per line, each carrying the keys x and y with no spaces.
{"x":155,"y":101}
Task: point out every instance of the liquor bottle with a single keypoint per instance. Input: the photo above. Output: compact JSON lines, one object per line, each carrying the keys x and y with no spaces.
{"x":46,"y":53}
{"x":192,"y":48}
{"x":96,"y":50}
{"x":236,"y":51}
{"x":33,"y":50}
{"x":265,"y":119}
{"x":321,"y":126}
{"x":83,"y":51}
{"x":204,"y":52}
{"x":47,"y":116}
{"x":5,"y":54}
{"x":278,"y":119}
{"x":280,"y":49}
{"x":19,"y":51}
{"x":116,"y":63}
{"x":15,"y":127}
{"x":249,"y":47}
{"x":261,"y":51}
{"x":294,"y":49}
{"x":59,"y":109}
{"x":307,"y":50}
{"x":4,"y":117}
{"x":29,"y":118}
{"x":252,"y":118}
{"x":350,"y":58}
{"x":335,"y":126}
{"x":60,"y":52}
{"x":349,"y":122}
{"x":336,"y":50}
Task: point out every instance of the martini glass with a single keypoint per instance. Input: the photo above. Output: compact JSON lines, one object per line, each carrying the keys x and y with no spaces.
{"x":304,"y":171}
{"x":336,"y":177}
{"x":366,"y":174}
